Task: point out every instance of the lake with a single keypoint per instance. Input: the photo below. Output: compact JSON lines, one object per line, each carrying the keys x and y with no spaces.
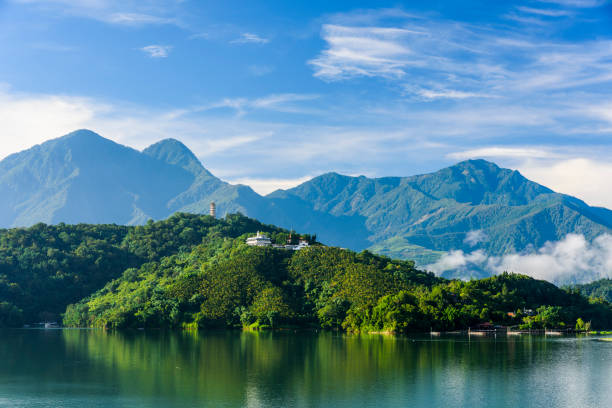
{"x":95,"y":368}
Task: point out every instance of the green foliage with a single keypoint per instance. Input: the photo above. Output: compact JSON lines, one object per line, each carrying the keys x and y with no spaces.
{"x":269,"y":307}
{"x":225,"y":283}
{"x":600,"y":289}
{"x":195,"y":271}
{"x":547,"y":317}
{"x":10,"y":316}
{"x":582,"y":326}
{"x":46,"y":267}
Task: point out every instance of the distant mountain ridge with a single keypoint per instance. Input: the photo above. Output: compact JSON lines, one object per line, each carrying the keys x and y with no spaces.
{"x":83,"y":177}
{"x":436,"y":211}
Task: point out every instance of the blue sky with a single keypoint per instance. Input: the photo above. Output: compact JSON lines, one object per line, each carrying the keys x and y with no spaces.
{"x":272,"y":93}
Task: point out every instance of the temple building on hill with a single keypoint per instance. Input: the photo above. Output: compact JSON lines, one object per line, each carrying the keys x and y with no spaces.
{"x":263,"y":240}
{"x":259,"y":240}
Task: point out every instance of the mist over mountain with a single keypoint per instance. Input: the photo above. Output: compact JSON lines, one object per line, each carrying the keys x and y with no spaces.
{"x":473,"y":205}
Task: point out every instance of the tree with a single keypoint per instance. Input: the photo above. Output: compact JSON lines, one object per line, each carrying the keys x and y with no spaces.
{"x":269,"y":307}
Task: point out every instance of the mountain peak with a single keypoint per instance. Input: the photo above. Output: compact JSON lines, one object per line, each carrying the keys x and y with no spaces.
{"x":478,"y":165}
{"x":82,"y":133}
{"x":175,"y":152}
{"x":81,"y":137}
{"x":479,"y":181}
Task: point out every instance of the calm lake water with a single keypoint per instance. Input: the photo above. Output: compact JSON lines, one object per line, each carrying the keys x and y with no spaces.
{"x":92,"y":368}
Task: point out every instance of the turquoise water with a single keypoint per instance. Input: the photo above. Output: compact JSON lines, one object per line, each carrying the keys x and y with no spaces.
{"x":92,"y":368}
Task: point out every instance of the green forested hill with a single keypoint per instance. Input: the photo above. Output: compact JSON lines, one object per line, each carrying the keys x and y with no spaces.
{"x":225,"y":283}
{"x":197,"y":271}
{"x":45,"y":267}
{"x":601,"y":288}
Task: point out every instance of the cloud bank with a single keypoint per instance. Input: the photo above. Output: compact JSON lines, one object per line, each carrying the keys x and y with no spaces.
{"x":571,"y":260}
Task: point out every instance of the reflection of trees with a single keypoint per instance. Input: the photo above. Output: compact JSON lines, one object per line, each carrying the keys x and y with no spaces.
{"x":241,"y":368}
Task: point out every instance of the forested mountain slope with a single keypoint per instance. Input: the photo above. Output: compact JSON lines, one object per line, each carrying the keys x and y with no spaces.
{"x":438,"y":211}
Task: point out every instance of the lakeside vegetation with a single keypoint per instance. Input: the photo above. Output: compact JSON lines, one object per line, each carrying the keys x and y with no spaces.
{"x":194,"y":271}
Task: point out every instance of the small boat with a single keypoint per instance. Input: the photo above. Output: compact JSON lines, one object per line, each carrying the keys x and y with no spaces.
{"x":51,"y":325}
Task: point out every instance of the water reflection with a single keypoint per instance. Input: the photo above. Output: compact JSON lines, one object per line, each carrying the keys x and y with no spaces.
{"x":262,"y":369}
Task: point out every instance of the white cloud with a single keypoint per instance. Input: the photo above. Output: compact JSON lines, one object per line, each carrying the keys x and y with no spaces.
{"x":287,"y":103}
{"x":580,"y":177}
{"x":576,"y":3}
{"x":278,"y":100}
{"x":502,"y":151}
{"x":474,"y":237}
{"x":572,"y":259}
{"x":363,"y":51}
{"x":269,"y":154}
{"x":136,"y":19}
{"x":118,"y":12}
{"x":55,"y":115}
{"x":430,"y":94}
{"x":545,"y":12}
{"x":458,"y":261}
{"x":445,"y":59}
{"x":250,"y":38}
{"x":157,"y":51}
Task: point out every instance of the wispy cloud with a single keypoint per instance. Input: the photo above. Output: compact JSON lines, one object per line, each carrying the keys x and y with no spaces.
{"x":118,"y":12}
{"x":445,"y":59}
{"x":546,"y":12}
{"x":576,"y":3}
{"x":364,"y":51}
{"x":475,"y":237}
{"x":157,"y":51}
{"x":432,"y":94}
{"x":365,"y":140}
{"x":502,"y":151}
{"x":137,"y":19}
{"x":278,"y":102}
{"x":250,"y":38}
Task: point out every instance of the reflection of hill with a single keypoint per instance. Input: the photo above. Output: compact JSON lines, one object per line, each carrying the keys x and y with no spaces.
{"x":98,"y":369}
{"x":241,"y":368}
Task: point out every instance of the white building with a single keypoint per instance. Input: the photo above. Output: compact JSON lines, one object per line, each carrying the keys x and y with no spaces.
{"x":259,"y":240}
{"x":303,"y":244}
{"x":263,"y":240}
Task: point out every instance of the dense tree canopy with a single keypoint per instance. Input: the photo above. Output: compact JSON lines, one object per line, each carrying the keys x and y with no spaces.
{"x":46,"y":267}
{"x":600,"y":289}
{"x":196,"y":272}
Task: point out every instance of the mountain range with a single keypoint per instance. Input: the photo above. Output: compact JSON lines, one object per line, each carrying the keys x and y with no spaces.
{"x":85,"y":178}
